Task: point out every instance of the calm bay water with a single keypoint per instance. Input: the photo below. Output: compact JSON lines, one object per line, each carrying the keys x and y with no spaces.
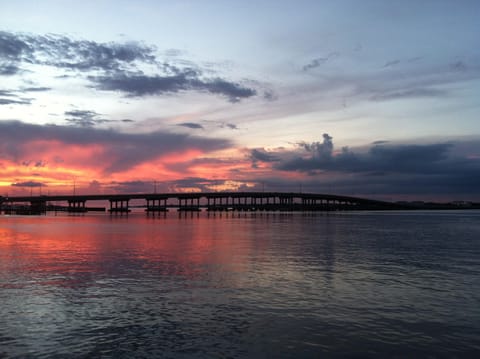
{"x":347,"y":285}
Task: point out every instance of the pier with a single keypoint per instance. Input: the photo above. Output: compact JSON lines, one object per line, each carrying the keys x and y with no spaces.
{"x":193,"y":202}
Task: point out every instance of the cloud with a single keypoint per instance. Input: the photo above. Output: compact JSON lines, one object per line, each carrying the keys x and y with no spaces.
{"x":319,"y":61}
{"x":8,"y":97}
{"x":109,"y":150}
{"x":391,"y":63}
{"x":396,"y":62}
{"x":13,"y":52}
{"x":380,"y":158}
{"x":438,"y":168}
{"x":38,"y":163}
{"x":179,"y":185}
{"x":17,"y":101}
{"x":87,"y":118}
{"x":230,"y":126}
{"x":407,"y":79}
{"x":135,"y":85}
{"x":36,"y":89}
{"x":233,"y":91}
{"x":8,"y":69}
{"x":63,"y":52}
{"x":459,"y":66}
{"x":270,"y":95}
{"x":6,"y":93}
{"x":410,"y":93}
{"x":379,"y":142}
{"x":206,"y":185}
{"x":199,"y":183}
{"x":113,"y":66}
{"x":84,"y":118}
{"x":30,"y":184}
{"x":321,"y":150}
{"x":259,"y":154}
{"x":192,"y":125}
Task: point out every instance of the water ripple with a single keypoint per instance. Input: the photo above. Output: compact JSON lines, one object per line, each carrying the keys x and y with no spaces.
{"x":339,"y":285}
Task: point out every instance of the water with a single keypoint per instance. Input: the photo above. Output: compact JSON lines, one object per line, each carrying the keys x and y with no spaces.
{"x":346,"y":285}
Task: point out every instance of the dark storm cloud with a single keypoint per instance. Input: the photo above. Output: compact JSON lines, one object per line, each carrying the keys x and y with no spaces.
{"x":192,"y":125}
{"x":141,"y":85}
{"x":319,"y":156}
{"x":120,"y":151}
{"x":437,"y":168}
{"x":259,"y":154}
{"x":319,"y":150}
{"x":389,"y":187}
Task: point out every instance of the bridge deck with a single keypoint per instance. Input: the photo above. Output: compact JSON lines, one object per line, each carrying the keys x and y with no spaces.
{"x":212,"y":201}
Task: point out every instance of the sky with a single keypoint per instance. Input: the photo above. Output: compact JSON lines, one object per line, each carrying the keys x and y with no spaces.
{"x":376,"y":99}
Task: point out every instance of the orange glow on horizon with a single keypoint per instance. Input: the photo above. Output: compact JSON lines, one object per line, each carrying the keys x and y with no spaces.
{"x":55,"y":167}
{"x":42,"y":170}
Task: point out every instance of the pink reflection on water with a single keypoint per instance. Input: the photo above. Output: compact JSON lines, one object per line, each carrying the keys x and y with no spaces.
{"x":73,"y":251}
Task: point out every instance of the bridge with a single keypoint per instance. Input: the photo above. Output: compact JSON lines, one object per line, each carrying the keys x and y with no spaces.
{"x":210,"y":201}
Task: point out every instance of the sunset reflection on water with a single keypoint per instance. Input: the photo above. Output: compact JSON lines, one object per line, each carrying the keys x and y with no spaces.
{"x":237,"y":285}
{"x":89,"y":246}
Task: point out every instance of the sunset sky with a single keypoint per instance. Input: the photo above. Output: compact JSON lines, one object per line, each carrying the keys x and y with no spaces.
{"x":369,"y":98}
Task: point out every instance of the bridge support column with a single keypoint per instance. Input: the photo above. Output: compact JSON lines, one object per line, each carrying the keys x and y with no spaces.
{"x":38,"y":207}
{"x":193,"y":206}
{"x":156,"y":205}
{"x":119,"y":206}
{"x":76,"y":206}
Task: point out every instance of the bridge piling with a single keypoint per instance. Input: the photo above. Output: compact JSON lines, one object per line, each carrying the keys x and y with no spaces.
{"x":76,"y":206}
{"x":156,"y":205}
{"x":119,"y":205}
